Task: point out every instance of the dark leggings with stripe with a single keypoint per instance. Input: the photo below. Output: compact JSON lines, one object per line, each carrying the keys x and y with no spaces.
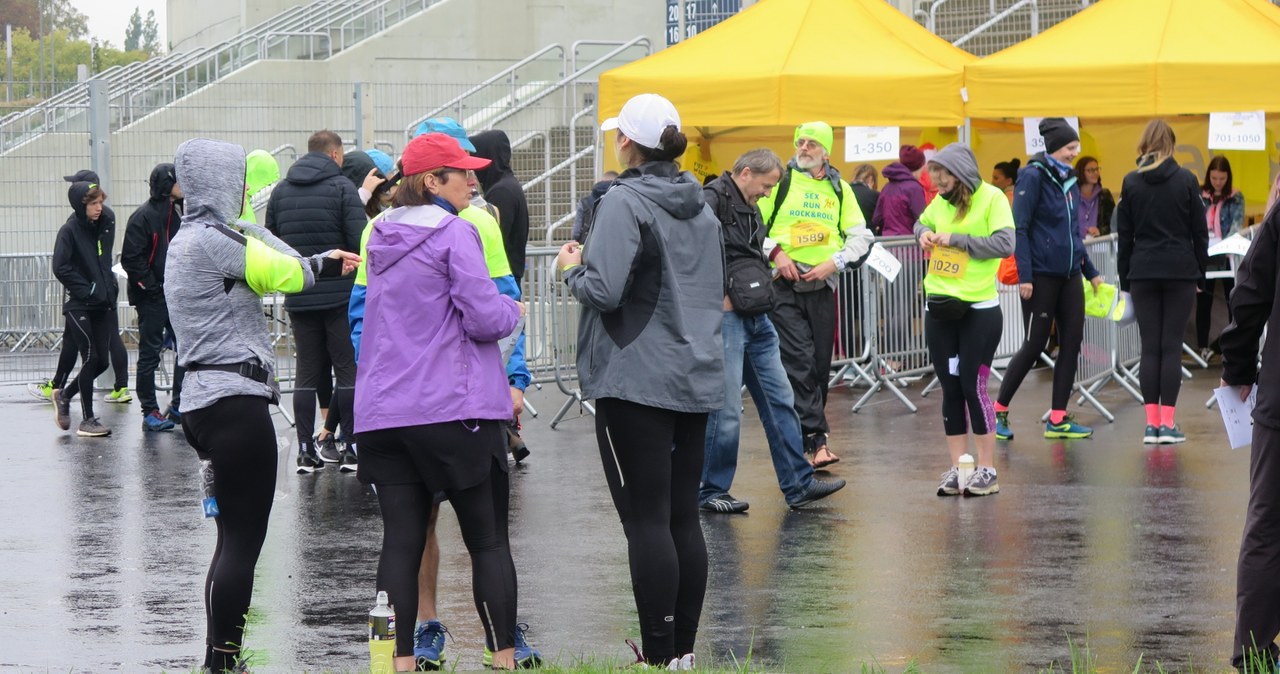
{"x":1054,"y":299}
{"x":91,"y":332}
{"x":971,"y":341}
{"x":653,"y":461}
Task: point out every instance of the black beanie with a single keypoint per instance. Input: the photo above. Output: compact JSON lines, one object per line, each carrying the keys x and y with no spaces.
{"x":1057,"y":134}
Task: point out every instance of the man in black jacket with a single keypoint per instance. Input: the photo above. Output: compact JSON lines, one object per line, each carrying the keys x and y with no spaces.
{"x":146,"y":245}
{"x":502,"y":189}
{"x":82,"y":264}
{"x":750,"y":339}
{"x":314,"y":209}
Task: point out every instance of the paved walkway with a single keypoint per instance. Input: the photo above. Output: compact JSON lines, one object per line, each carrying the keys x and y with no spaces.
{"x":1131,"y":548}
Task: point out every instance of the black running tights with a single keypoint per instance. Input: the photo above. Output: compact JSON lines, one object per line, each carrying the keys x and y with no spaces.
{"x":1054,"y":298}
{"x":1162,"y":309}
{"x":961,"y":352}
{"x":67,"y":357}
{"x":236,"y":433}
{"x":653,"y":461}
{"x":482,"y":519}
{"x":91,"y":333}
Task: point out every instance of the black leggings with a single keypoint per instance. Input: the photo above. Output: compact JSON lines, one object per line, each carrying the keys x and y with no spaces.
{"x":1162,"y":309}
{"x":1204,"y":308}
{"x":91,"y":333}
{"x":482,"y":519}
{"x":67,"y":357}
{"x":322,"y":337}
{"x":1053,"y":298}
{"x":653,"y":461}
{"x":973,"y":341}
{"x":236,"y":433}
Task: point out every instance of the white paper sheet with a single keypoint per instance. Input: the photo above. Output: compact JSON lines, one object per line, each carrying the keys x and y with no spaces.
{"x":884,"y":262}
{"x":508,"y":344}
{"x":119,"y":271}
{"x":1232,"y":245}
{"x":1237,"y":416}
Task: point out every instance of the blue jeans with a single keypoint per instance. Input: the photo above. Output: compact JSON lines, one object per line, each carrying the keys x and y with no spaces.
{"x":751,"y":355}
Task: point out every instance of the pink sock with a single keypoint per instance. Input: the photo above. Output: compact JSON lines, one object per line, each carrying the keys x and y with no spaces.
{"x":1002,"y":408}
{"x":1166,"y":415}
{"x":1056,"y":416}
{"x":1153,"y":414}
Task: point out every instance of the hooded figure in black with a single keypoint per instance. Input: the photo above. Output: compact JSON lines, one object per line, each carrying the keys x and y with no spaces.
{"x":82,"y":264}
{"x":143,"y":255}
{"x":503,"y":190}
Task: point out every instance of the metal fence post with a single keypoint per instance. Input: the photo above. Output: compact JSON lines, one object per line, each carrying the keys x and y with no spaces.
{"x":364,"y":115}
{"x":100,"y":158}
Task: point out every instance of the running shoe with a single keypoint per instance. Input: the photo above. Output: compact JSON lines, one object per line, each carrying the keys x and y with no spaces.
{"x":818,"y":490}
{"x":526,"y":656}
{"x":120,"y":395}
{"x":92,"y":428}
{"x":1151,"y":435}
{"x":61,"y":410}
{"x":328,"y":449}
{"x":41,"y":389}
{"x":1068,"y":429}
{"x":173,"y":414}
{"x":1003,"y":432}
{"x":308,"y":460}
{"x":155,"y":421}
{"x":1171,"y":436}
{"x":350,"y":463}
{"x":684,"y":663}
{"x":950,"y":483}
{"x":982,"y":482}
{"x":724,"y":503}
{"x":428,"y":645}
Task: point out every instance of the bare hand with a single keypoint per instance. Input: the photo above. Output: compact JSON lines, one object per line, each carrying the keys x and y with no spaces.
{"x":1244,"y":390}
{"x":570,"y":254}
{"x":1093,"y":231}
{"x":1024,"y":290}
{"x":350,"y":261}
{"x":1096,"y":281}
{"x":820,"y":272}
{"x":372,"y":181}
{"x":517,"y":401}
{"x":942,"y":238}
{"x":523,"y":309}
{"x":928,"y":240}
{"x":786,"y":267}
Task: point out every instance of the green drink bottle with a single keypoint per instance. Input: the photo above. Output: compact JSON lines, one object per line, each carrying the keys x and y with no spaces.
{"x":382,"y":637}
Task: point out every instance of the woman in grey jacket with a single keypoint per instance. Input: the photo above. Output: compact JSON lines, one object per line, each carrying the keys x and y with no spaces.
{"x":650,"y":354}
{"x":215,"y":276}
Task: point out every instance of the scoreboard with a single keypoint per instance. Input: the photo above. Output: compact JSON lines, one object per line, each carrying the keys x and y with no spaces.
{"x":699,"y":15}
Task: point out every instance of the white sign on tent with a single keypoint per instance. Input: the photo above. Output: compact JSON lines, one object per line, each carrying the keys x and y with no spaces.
{"x":1031,"y":130}
{"x":1238,"y":130}
{"x":871,"y":143}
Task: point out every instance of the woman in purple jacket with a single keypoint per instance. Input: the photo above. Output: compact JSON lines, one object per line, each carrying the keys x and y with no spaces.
{"x":431,"y":393}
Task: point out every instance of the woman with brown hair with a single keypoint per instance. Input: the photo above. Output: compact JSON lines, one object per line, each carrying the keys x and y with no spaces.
{"x":1163,"y":249}
{"x":1224,"y":216}
{"x":1096,"y":202}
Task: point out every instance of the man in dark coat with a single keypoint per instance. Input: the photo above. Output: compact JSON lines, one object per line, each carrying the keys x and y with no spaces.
{"x":315,"y":209}
{"x":502,"y":190}
{"x":146,"y":245}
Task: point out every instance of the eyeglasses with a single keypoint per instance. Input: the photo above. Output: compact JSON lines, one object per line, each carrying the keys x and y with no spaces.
{"x":1093,"y":169}
{"x":807,"y":143}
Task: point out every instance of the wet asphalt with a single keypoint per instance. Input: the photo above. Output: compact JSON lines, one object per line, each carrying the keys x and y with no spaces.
{"x":1127,"y":547}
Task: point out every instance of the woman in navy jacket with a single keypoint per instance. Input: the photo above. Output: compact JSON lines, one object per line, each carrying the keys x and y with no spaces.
{"x":1051,"y":257}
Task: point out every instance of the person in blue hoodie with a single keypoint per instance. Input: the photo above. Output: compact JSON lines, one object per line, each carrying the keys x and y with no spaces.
{"x":1051,"y":257}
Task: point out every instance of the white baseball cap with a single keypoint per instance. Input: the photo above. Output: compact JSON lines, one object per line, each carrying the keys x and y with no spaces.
{"x":643,"y":119}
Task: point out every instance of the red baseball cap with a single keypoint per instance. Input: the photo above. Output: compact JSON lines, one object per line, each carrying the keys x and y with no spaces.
{"x":432,"y":151}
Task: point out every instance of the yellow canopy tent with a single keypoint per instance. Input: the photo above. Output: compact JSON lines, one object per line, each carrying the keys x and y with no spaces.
{"x":1137,"y":58}
{"x":784,"y":62}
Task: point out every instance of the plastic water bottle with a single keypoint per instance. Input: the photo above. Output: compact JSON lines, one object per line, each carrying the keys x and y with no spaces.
{"x":966,"y":468}
{"x":210,"y":500}
{"x":382,"y":637}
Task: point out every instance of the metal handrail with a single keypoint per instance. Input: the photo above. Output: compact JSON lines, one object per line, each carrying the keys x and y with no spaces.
{"x":505,"y":73}
{"x":265,"y":46}
{"x":982,"y":27}
{"x":572,"y":78}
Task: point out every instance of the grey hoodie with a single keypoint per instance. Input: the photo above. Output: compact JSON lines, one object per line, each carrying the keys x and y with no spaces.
{"x":217,"y":318}
{"x":651,"y":284}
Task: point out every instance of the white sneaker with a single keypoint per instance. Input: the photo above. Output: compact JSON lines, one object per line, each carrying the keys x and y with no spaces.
{"x":682,"y":664}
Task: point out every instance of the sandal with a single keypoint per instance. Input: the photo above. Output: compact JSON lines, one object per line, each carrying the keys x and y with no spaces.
{"x":818,"y":461}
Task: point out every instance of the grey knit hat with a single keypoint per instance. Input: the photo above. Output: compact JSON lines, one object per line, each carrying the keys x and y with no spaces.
{"x":959,"y":160}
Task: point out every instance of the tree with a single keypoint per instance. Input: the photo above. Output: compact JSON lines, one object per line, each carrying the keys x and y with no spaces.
{"x":151,"y":34}
{"x":60,"y":15}
{"x":22,"y":14}
{"x":133,"y":34}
